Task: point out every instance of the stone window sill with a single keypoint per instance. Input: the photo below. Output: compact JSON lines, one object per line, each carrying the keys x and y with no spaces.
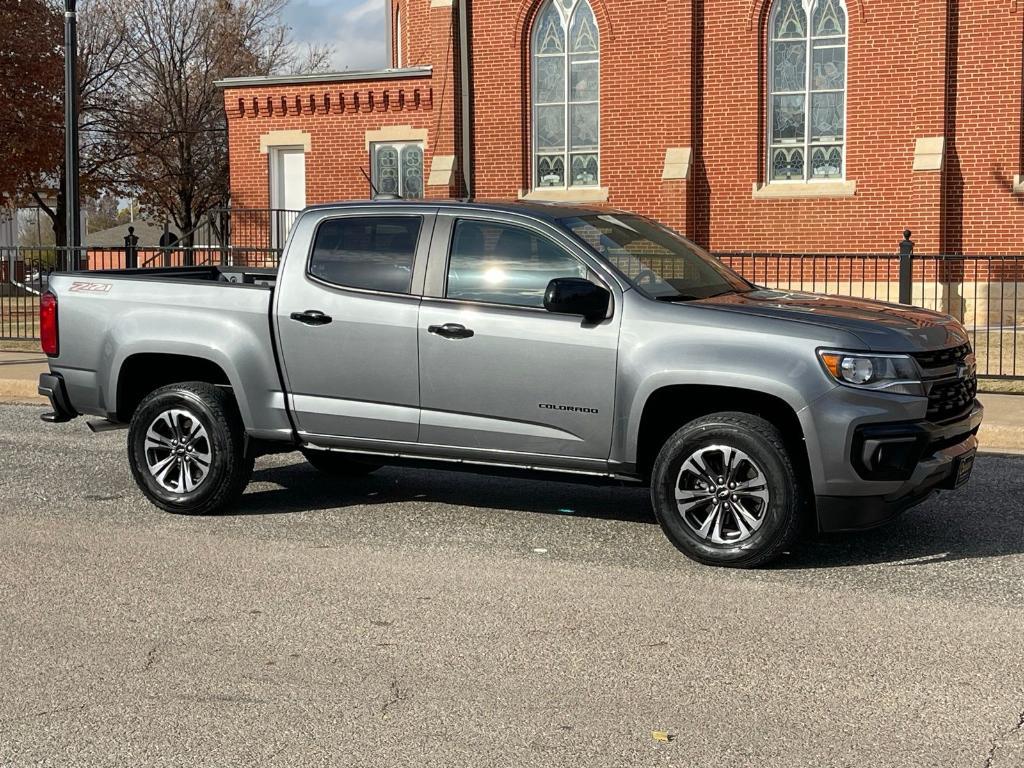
{"x":792,"y":190}
{"x":570,"y":195}
{"x":1018,"y":185}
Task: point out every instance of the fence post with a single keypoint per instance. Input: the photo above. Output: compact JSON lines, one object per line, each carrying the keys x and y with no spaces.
{"x":907,"y":269}
{"x":223,"y":233}
{"x":131,"y":255}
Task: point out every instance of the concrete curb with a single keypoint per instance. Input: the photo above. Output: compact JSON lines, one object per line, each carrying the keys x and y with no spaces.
{"x":20,"y":390}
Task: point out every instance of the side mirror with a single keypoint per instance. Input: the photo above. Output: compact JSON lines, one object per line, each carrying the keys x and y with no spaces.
{"x":576,"y":296}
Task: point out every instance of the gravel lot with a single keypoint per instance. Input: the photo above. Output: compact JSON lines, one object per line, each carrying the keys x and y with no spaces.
{"x":415,"y":618}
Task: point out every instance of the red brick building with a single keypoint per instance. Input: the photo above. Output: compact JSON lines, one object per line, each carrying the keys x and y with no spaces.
{"x":773,"y":125}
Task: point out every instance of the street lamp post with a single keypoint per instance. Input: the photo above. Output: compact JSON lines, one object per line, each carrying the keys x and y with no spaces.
{"x":72,"y":200}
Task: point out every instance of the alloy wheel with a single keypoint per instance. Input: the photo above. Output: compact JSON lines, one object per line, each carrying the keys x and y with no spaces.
{"x":178,"y":451}
{"x":722,"y":494}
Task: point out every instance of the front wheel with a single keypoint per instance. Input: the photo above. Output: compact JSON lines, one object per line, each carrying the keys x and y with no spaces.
{"x":726,"y":491}
{"x":186,"y":448}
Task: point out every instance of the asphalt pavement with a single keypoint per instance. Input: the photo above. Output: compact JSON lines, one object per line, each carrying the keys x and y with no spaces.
{"x":416,"y":618}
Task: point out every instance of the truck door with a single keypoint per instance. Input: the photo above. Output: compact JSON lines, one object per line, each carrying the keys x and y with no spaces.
{"x":499,"y":373}
{"x":346,"y":317}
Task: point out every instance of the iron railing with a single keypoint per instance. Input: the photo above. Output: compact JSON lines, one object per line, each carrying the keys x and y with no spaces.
{"x":986,"y":293}
{"x":261,"y":228}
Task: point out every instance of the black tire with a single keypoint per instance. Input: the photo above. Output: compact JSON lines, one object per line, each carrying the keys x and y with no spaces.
{"x":229,"y":469}
{"x":340,"y":464}
{"x":768,"y":465}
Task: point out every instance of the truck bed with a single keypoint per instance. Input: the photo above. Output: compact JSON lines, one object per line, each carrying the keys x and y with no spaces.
{"x":216,"y":274}
{"x":109,"y":319}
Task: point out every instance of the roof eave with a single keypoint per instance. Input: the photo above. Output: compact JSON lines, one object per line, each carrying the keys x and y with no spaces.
{"x":398,"y":73}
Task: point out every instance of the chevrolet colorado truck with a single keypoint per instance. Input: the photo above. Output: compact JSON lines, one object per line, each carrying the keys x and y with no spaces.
{"x":523,"y":338}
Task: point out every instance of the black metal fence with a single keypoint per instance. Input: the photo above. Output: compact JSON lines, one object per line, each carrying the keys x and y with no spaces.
{"x":263,"y":229}
{"x":228,"y":237}
{"x":986,"y":293}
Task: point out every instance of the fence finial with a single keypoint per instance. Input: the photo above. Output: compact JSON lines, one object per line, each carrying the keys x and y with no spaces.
{"x":131,"y":254}
{"x":906,"y":268}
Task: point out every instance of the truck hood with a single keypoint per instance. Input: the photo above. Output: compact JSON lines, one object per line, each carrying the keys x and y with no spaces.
{"x":881,"y":326}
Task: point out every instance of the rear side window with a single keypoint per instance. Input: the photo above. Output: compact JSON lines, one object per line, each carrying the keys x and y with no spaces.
{"x":370,"y":252}
{"x":505,"y":264}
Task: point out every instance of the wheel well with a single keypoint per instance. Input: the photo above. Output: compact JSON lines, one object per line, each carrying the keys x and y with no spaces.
{"x":141,"y":374}
{"x":669,"y":408}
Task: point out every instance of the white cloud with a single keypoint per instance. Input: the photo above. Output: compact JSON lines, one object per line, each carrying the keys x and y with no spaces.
{"x":355,"y":29}
{"x":364,"y":9}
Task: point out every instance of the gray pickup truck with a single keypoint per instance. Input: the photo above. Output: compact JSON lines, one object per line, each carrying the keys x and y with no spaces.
{"x":571,"y":340}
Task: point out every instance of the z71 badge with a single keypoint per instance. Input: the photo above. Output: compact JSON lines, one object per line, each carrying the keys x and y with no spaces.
{"x":83,"y":287}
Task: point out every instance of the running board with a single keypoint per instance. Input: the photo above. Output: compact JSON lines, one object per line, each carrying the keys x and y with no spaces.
{"x":104,"y":425}
{"x":478,"y":465}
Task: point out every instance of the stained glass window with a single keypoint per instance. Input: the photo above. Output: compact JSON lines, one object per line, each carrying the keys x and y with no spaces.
{"x":566,"y":95}
{"x":807,"y":90}
{"x":398,"y":169}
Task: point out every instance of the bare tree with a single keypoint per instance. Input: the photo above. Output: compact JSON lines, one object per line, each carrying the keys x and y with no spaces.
{"x":102,"y":64}
{"x":177,"y":133}
{"x":30,"y":80}
{"x":152,"y":119}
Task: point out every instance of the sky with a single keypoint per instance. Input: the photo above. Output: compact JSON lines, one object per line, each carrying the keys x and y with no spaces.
{"x":355,"y":28}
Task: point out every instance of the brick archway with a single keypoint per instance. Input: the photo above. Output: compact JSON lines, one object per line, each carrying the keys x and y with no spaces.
{"x":759,"y":10}
{"x":525,"y":11}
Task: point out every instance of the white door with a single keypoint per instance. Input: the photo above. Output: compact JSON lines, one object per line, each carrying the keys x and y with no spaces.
{"x":287,"y":189}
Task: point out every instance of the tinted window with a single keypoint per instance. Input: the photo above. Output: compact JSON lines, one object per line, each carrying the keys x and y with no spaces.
{"x":505,"y":264}
{"x":373,"y":252}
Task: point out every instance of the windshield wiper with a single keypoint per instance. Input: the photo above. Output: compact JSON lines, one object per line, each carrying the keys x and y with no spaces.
{"x":677,"y":297}
{"x":688,"y":297}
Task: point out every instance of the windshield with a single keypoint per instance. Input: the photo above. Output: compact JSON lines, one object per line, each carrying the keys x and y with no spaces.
{"x":654,"y":259}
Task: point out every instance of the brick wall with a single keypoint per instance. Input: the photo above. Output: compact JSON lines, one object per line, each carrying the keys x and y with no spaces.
{"x":692,"y":73}
{"x":336,"y":116}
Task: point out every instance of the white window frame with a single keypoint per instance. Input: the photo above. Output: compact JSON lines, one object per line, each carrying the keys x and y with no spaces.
{"x":566,"y":16}
{"x":807,"y":145}
{"x":398,"y":37}
{"x":376,"y":146}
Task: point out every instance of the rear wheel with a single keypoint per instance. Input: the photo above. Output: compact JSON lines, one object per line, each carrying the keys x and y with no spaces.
{"x":186,"y":448}
{"x":340,"y":464}
{"x":726,"y":492}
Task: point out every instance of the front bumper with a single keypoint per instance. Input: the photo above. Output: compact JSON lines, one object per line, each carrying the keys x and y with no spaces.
{"x":51,"y":386}
{"x":924,"y":458}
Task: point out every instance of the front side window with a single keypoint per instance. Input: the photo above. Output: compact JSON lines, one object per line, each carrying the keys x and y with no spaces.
{"x":398,"y":169}
{"x":566,"y":54}
{"x":370,"y":252}
{"x":505,"y":264}
{"x":807,"y":90}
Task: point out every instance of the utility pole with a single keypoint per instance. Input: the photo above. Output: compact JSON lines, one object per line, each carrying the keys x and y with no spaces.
{"x":72,"y":200}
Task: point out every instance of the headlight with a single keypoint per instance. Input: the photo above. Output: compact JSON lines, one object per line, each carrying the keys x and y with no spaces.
{"x":898,"y":374}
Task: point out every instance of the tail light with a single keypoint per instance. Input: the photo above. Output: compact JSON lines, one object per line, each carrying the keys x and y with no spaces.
{"x":48,"y":324}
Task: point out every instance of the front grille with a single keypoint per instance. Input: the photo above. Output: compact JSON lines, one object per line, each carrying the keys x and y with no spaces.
{"x":951,"y":381}
{"x":943,"y":357}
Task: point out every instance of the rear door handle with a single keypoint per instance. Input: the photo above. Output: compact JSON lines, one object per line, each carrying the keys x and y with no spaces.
{"x":451,"y":331}
{"x":312,"y":317}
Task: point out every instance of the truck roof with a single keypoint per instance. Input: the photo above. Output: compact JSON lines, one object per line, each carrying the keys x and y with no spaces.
{"x":536,"y":208}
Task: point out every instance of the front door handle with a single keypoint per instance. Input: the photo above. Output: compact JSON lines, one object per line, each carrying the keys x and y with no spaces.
{"x":312,"y":317}
{"x":451,"y":331}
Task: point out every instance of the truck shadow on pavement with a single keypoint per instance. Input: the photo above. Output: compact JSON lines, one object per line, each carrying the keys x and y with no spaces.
{"x":983,"y":520}
{"x":301,"y":488}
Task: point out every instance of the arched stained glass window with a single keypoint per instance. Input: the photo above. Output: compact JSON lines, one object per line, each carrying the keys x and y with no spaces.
{"x":807,"y":90}
{"x":566,"y":53}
